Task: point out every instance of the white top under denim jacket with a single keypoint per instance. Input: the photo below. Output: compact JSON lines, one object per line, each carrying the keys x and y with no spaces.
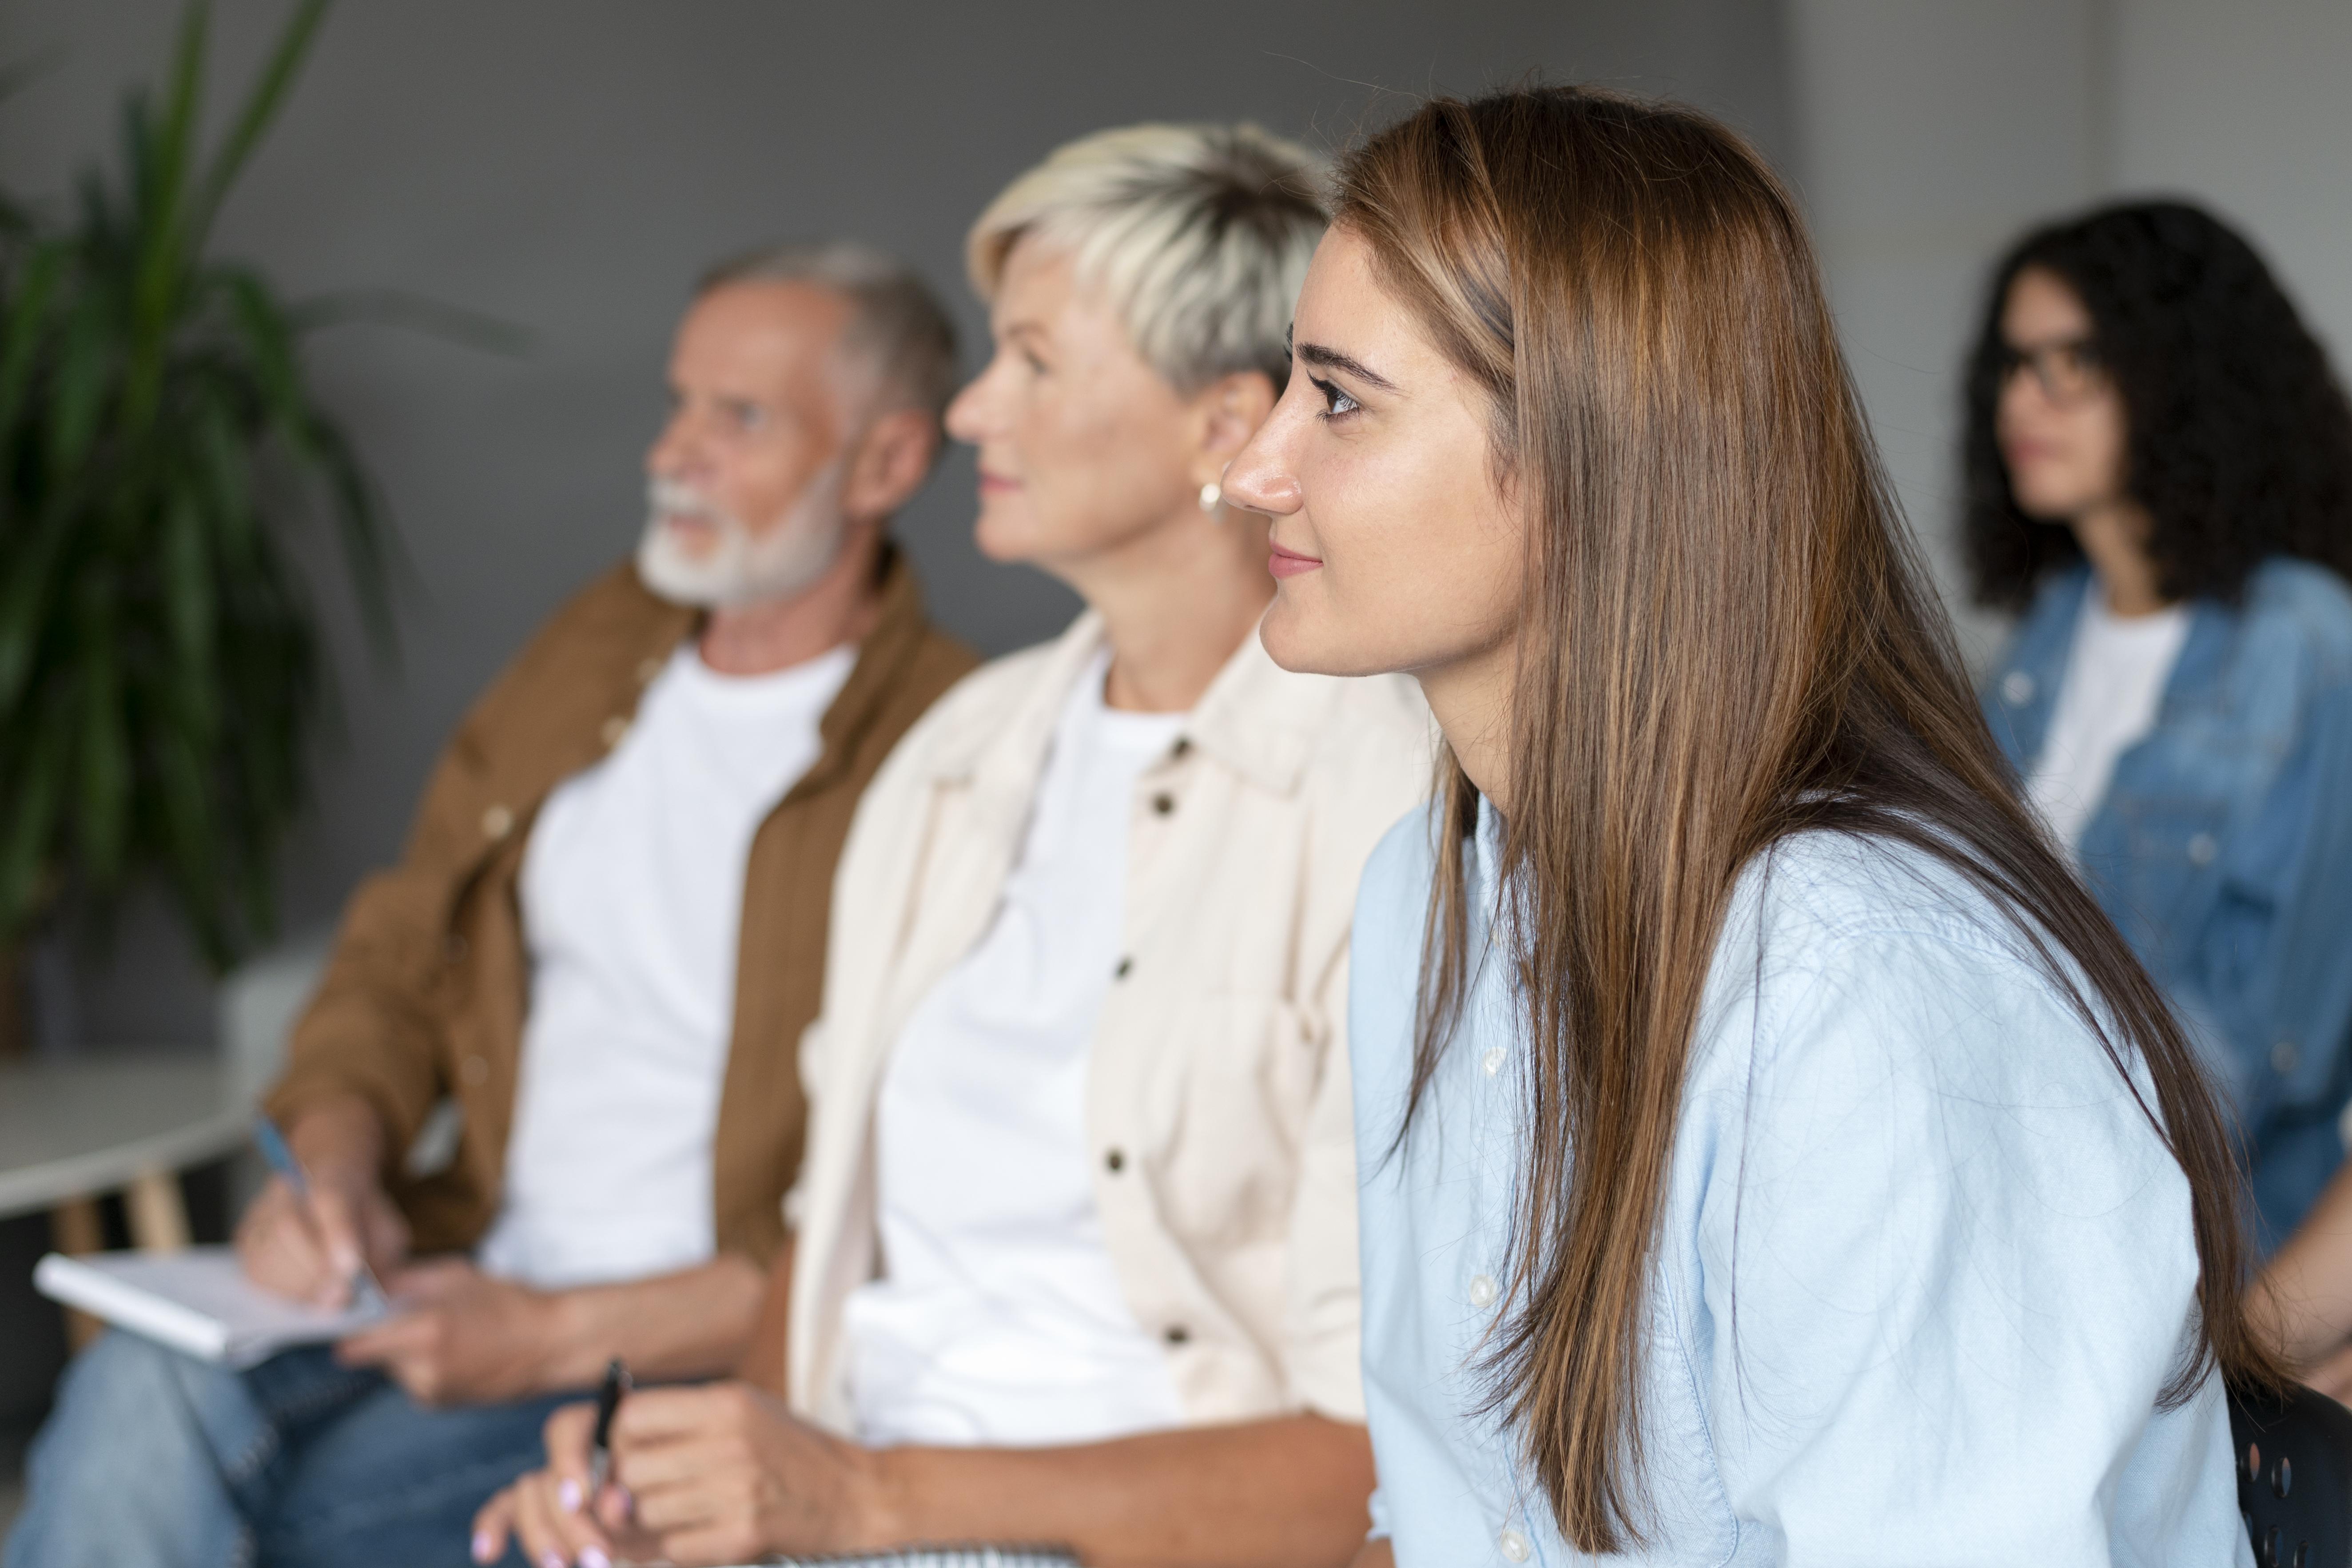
{"x":2222,"y":847}
{"x":1219,"y":1143}
{"x":1924,"y":1268}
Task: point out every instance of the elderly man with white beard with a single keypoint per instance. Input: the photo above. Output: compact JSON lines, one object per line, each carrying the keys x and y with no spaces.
{"x":660,"y":783}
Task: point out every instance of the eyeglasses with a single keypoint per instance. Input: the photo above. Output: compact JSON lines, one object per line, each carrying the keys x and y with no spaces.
{"x":2068,"y":372}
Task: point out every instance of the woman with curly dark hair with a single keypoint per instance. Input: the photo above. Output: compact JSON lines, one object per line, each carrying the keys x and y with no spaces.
{"x":2160,"y":475}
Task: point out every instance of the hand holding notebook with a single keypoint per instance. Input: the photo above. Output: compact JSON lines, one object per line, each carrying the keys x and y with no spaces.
{"x":205,"y":1303}
{"x":198,"y":1302}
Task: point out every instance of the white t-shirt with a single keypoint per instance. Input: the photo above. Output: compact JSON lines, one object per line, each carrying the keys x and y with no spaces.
{"x":632,"y":893}
{"x":999,"y":1318}
{"x":2114,"y":683}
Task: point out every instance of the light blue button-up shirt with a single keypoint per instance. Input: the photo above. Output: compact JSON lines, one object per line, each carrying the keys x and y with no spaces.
{"x":1963,"y":1261}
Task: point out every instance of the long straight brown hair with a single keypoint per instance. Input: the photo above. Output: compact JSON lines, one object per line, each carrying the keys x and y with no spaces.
{"x":1726,"y":637}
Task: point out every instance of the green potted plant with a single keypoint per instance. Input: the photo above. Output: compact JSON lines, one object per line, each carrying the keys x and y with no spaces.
{"x":161,"y":669}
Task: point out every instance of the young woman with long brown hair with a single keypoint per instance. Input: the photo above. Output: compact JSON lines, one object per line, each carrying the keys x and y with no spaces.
{"x":1771,"y":1152}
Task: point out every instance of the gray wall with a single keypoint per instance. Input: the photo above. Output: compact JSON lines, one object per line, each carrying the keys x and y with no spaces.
{"x":2243,"y":107}
{"x":568,"y":165}
{"x":1932,"y":134}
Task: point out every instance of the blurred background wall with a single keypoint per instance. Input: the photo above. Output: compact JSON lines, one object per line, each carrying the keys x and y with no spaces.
{"x":570,"y":166}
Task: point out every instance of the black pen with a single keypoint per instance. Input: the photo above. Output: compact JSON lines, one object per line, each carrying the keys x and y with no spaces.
{"x":600,"y":1447}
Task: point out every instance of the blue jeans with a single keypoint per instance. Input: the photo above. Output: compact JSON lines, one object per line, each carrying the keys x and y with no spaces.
{"x":153,"y":1459}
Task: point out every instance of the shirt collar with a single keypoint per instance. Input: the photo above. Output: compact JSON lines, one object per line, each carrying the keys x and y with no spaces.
{"x":2047,"y":642}
{"x":1262,"y":720}
{"x":1487,"y":848}
{"x":900,"y":625}
{"x":1257,"y":718}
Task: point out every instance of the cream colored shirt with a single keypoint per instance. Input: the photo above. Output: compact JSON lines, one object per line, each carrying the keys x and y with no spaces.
{"x":1217,"y":1110}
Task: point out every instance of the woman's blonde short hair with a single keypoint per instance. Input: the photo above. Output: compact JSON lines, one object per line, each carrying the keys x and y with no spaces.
{"x":1201,"y":233}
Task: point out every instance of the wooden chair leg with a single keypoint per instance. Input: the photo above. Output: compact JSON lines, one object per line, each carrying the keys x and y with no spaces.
{"x":159,"y":1223}
{"x":158,"y":1214}
{"x":75,"y":1229}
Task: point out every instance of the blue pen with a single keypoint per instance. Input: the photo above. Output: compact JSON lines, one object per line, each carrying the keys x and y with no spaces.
{"x":367,"y":1294}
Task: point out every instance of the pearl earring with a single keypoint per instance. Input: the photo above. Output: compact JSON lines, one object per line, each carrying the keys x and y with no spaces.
{"x":1213,"y":495}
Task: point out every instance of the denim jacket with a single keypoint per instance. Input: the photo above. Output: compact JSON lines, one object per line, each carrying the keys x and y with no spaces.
{"x":2223,"y":850}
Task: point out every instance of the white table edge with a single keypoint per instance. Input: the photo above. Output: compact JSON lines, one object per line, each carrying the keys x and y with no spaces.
{"x":45,"y":1186}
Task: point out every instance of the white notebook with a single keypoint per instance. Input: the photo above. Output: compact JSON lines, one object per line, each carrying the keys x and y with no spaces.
{"x":198,"y":1302}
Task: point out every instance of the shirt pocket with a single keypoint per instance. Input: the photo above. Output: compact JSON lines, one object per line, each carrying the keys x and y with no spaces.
{"x":1232,"y":1083}
{"x":2172,"y":870}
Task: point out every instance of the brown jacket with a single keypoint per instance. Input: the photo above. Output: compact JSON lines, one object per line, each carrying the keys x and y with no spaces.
{"x":430,"y":978}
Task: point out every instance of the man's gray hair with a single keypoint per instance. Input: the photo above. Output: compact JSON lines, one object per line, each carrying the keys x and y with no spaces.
{"x":1199,"y":232}
{"x":897,"y":326}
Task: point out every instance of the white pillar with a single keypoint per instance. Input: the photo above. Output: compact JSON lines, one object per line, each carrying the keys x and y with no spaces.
{"x":2247,"y":108}
{"x":1930,"y":133}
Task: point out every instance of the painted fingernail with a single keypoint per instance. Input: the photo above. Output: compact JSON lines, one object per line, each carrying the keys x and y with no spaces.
{"x":593,"y":1557}
{"x":627,"y":1500}
{"x":567,"y":1496}
{"x":485,"y":1547}
{"x":551,"y":1558}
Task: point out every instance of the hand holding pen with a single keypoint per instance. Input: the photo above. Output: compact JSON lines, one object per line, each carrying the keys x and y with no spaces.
{"x":556,"y":1516}
{"x":312,"y":1231}
{"x":344,"y":1256}
{"x":617,"y":1382}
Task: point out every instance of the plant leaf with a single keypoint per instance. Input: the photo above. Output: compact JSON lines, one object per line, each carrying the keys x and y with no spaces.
{"x":102,"y":804}
{"x":161,"y":682}
{"x":190,"y":614}
{"x":86,"y":360}
{"x":24,"y":329}
{"x":24,"y":600}
{"x":261,"y":106}
{"x":161,"y":218}
{"x":269,"y":343}
{"x":36,"y":791}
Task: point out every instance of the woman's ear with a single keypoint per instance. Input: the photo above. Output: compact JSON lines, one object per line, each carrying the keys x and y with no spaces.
{"x":1230,"y":408}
